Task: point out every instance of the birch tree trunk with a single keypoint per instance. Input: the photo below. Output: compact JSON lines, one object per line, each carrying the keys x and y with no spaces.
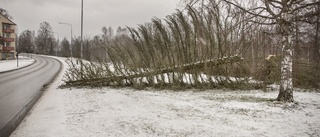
{"x":316,"y":54}
{"x":286,"y":84}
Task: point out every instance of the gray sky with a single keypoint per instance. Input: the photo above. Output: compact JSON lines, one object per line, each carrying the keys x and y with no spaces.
{"x":28,"y":14}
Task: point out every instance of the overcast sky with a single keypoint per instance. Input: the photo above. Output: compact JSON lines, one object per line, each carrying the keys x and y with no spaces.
{"x":28,"y":14}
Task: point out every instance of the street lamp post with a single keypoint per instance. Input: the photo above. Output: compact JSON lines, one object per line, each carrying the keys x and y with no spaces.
{"x":70,"y":37}
{"x":81,"y":34}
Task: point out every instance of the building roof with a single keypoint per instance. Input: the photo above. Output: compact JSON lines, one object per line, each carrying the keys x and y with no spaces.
{"x":6,"y":20}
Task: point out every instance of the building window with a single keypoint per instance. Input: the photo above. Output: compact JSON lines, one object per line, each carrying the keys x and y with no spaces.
{"x":6,"y":26}
{"x":6,"y":44}
{"x":6,"y":35}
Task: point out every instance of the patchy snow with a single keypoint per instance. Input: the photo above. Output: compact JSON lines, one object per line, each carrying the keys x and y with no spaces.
{"x":128,"y":112}
{"x":6,"y":65}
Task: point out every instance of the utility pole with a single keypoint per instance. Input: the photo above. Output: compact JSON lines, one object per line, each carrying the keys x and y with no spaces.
{"x":81,"y":37}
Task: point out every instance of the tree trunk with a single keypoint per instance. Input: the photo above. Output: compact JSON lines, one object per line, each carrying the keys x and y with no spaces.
{"x":286,"y":85}
{"x":316,"y":53}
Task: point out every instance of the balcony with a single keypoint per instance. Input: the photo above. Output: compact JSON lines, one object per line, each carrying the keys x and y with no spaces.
{"x":8,"y":30}
{"x":7,"y":48}
{"x":8,"y":39}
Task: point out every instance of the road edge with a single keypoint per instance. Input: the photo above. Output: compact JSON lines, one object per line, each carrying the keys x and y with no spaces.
{"x":1,"y":72}
{"x":8,"y":129}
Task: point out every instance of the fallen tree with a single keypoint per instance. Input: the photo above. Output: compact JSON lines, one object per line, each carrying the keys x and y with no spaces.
{"x":118,"y":79}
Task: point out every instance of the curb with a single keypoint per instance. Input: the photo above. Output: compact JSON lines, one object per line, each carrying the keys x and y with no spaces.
{"x":1,"y":72}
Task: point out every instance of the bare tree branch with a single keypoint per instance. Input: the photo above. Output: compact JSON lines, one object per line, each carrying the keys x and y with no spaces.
{"x":248,"y":11}
{"x":305,"y":6}
{"x":275,"y":16}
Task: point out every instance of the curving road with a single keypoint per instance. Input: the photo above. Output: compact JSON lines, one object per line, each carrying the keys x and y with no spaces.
{"x":20,"y":90}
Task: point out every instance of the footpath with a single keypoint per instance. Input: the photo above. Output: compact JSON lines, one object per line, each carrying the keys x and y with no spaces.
{"x":10,"y":65}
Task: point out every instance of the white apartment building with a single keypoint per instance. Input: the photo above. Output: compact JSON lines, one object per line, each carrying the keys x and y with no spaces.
{"x":7,"y":38}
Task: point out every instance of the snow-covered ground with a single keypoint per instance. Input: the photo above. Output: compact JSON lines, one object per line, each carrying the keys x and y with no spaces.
{"x":23,"y":61}
{"x":128,"y":112}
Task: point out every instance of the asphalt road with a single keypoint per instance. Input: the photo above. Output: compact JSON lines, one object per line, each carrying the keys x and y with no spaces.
{"x":21,"y":89}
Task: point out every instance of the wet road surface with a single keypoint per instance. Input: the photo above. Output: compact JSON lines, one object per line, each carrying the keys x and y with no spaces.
{"x":20,"y":89}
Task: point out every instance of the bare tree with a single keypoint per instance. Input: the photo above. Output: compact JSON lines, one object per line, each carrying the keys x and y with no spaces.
{"x":26,"y":42}
{"x":65,"y":51}
{"x":316,"y":54}
{"x":76,"y":44}
{"x":45,"y":41}
{"x":107,"y":34}
{"x":284,"y":14}
{"x":197,"y":45}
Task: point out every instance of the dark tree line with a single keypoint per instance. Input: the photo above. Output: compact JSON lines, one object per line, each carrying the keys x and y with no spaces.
{"x":26,"y":42}
{"x":44,"y":42}
{"x":41,"y":43}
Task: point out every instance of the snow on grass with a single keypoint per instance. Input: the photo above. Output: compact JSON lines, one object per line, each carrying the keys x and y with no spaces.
{"x":6,"y":65}
{"x":128,"y":112}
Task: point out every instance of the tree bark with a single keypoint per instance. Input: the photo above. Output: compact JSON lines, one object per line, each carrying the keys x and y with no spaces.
{"x":316,"y":53}
{"x":286,"y":84}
